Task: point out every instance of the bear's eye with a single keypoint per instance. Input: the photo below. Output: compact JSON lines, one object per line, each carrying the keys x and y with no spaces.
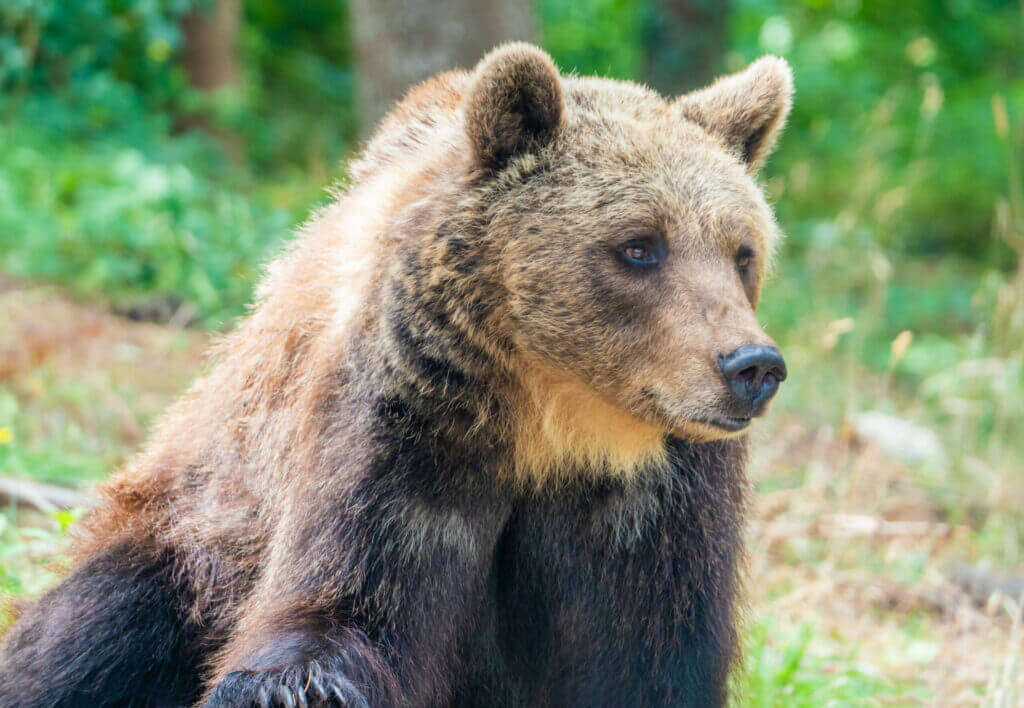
{"x":642,"y":253}
{"x":744,"y":257}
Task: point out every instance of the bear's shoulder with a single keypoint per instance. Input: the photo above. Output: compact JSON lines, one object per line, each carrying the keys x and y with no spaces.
{"x":428,"y":111}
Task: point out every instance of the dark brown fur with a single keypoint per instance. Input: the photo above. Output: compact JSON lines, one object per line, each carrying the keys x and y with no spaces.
{"x":456,"y":455}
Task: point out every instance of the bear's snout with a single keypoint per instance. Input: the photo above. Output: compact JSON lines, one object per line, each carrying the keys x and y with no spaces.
{"x":753,"y":374}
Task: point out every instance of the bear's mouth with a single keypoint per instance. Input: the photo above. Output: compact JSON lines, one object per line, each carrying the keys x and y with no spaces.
{"x":728,"y":423}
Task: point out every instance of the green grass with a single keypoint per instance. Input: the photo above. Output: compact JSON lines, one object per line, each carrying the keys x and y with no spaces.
{"x":51,"y":447}
{"x":30,"y":556}
{"x":794,"y":667}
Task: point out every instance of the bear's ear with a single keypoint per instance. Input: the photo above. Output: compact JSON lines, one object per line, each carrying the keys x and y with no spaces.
{"x":746,"y":109}
{"x":514,"y":103}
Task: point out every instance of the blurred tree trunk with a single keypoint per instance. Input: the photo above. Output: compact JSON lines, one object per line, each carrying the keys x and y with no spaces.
{"x":684,"y":43}
{"x":210,"y":58}
{"x":401,"y":42}
{"x":210,"y":52}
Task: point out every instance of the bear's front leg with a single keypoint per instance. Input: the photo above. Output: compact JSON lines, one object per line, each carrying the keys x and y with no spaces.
{"x":367,"y":607}
{"x":316,"y":684}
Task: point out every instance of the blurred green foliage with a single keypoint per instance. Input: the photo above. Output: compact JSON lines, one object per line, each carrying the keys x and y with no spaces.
{"x":892,"y":141}
{"x":103,"y":188}
{"x":120,"y":220}
{"x":893,"y":125}
{"x":107,"y":70}
{"x":898,"y":184}
{"x":594,"y":37}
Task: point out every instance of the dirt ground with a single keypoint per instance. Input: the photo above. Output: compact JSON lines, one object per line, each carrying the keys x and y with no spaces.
{"x":858,"y":552}
{"x":842,"y":541}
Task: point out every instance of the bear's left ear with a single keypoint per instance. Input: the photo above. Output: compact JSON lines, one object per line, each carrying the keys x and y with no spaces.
{"x":514,"y":103}
{"x":747,"y":109}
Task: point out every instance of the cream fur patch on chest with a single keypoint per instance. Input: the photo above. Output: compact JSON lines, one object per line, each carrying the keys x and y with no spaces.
{"x":563,"y":428}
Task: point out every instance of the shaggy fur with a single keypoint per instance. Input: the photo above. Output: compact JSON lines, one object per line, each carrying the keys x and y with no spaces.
{"x":458,"y":454}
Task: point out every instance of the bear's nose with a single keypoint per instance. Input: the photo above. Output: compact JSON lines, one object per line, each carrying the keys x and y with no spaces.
{"x":753,"y":373}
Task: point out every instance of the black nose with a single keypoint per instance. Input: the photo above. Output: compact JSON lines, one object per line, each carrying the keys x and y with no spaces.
{"x":753,"y":373}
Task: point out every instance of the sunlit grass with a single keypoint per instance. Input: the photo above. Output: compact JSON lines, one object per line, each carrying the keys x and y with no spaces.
{"x":795,"y":667}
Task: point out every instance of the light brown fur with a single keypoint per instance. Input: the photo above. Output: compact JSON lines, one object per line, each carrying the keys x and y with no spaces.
{"x":562,"y":424}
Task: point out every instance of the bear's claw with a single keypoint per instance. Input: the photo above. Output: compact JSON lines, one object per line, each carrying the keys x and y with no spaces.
{"x":296,"y":687}
{"x":285,"y":696}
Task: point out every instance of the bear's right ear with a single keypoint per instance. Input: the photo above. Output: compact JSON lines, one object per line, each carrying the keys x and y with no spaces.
{"x":514,"y":103}
{"x":747,"y":109}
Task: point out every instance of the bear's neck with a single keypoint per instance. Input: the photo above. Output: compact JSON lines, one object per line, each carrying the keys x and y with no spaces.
{"x":562,"y":429}
{"x":544,"y":426}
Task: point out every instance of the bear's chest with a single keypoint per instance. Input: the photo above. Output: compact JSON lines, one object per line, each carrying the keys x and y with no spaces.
{"x":587,"y":603}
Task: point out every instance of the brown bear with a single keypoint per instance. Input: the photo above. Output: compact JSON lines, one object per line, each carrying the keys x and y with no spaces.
{"x":480,"y":442}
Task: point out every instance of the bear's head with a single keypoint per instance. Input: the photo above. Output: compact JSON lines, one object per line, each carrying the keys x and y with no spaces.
{"x":632,"y":242}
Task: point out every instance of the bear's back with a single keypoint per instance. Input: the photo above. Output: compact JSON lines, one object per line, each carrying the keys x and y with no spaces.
{"x":428,"y":111}
{"x":429,"y":116}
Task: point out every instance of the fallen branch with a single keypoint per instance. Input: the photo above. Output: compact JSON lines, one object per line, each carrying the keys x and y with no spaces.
{"x":44,"y":497}
{"x":849,"y":525}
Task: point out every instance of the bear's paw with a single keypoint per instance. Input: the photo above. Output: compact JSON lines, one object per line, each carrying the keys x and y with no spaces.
{"x":310,"y":686}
